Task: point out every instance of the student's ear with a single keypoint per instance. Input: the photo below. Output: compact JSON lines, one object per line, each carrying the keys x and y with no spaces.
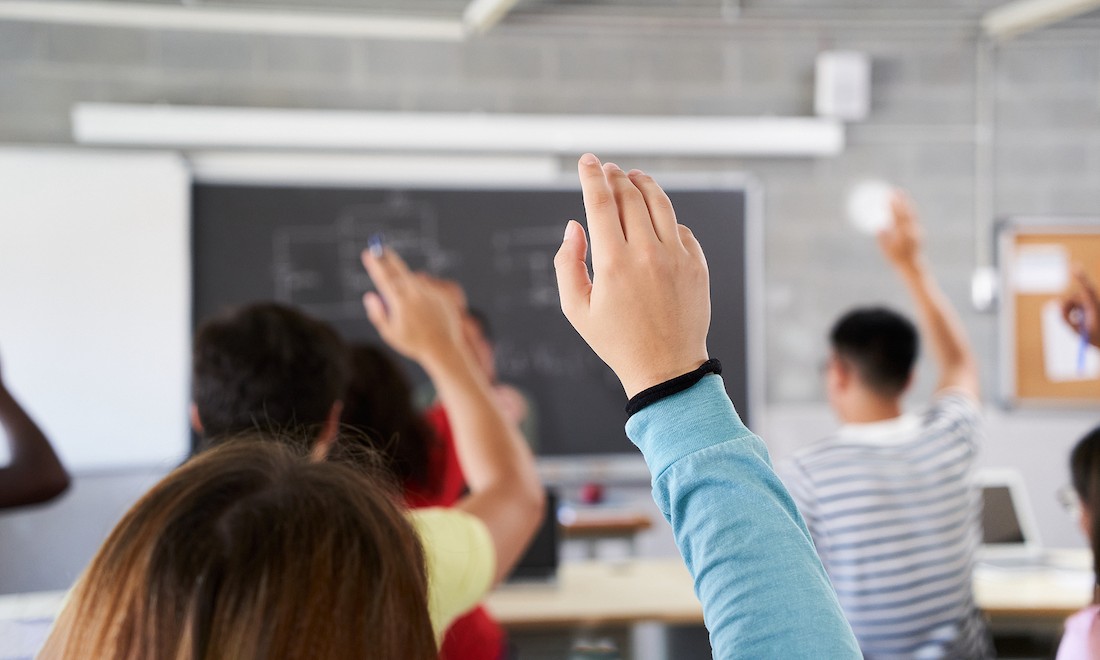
{"x":196,"y":423}
{"x":840,"y":373}
{"x":329,"y":430}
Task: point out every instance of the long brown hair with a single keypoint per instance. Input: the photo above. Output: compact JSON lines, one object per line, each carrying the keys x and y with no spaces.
{"x":251,"y":551}
{"x":1084,"y":467}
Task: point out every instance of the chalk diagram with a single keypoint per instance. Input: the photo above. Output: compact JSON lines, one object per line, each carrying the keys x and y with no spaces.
{"x":318,"y":269}
{"x":524,"y":257}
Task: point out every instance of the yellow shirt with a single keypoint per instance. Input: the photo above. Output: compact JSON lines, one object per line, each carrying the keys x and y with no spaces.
{"x":460,"y":561}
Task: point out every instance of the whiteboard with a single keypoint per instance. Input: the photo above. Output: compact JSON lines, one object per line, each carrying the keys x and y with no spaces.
{"x":95,"y":301}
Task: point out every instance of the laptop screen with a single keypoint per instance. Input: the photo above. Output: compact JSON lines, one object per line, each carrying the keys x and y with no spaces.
{"x":1000,"y":520}
{"x":540,"y":562}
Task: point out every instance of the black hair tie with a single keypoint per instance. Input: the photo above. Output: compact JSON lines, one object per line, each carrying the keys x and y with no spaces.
{"x":652,"y":395}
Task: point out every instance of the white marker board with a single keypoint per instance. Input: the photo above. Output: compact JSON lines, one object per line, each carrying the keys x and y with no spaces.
{"x":95,"y":302}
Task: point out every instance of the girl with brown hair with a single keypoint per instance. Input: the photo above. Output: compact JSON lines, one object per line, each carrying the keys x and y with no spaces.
{"x":250,"y":550}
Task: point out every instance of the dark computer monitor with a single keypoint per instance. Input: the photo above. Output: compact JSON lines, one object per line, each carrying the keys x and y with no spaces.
{"x":540,"y":562}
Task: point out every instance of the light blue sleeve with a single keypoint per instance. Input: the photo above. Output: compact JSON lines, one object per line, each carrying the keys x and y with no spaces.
{"x":763,"y":590}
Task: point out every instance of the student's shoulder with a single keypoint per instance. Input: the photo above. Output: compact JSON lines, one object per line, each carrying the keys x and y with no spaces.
{"x":459,"y":560}
{"x":450,"y":528}
{"x":826,"y":448}
{"x":953,"y":405}
{"x":801,"y":465}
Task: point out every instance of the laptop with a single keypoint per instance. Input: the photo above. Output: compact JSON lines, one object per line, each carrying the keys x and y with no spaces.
{"x":1010,"y":536}
{"x":539,"y":565}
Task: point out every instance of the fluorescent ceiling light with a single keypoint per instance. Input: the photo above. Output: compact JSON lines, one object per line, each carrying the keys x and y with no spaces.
{"x":1022,"y":16}
{"x":198,"y":127}
{"x":344,"y":169}
{"x":481,"y":15}
{"x":230,"y":19}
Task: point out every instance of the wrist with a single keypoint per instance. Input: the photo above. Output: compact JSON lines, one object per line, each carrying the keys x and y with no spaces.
{"x":652,"y":377}
{"x":912,"y":268}
{"x":672,"y":386}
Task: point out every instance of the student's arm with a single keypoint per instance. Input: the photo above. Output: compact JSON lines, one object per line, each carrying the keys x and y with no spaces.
{"x":34,"y":474}
{"x":940,"y":325}
{"x":646,"y":313}
{"x":1082,"y":304}
{"x":422,"y":323}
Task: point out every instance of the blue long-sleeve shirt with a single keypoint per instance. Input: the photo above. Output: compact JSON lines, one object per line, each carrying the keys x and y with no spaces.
{"x":762,"y":586}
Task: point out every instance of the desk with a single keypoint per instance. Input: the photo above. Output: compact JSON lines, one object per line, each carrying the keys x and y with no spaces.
{"x":592,"y":594}
{"x":594,"y":527}
{"x":1035,"y":600}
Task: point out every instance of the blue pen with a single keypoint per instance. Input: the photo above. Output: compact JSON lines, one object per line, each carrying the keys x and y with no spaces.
{"x":1083,"y":330}
{"x":376,"y":244}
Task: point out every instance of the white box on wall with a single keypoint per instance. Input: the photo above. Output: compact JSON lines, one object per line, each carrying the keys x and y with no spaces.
{"x":842,"y":85}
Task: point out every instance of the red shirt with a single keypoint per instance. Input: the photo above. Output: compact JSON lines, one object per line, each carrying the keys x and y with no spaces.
{"x":475,"y":635}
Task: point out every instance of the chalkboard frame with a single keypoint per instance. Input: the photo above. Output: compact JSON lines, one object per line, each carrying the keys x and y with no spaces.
{"x":292,"y":172}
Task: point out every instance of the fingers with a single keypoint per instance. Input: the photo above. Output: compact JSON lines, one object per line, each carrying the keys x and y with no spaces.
{"x":1086,"y":285}
{"x":632,"y":208}
{"x":388,"y":272}
{"x":691,"y":244}
{"x":661,"y":213}
{"x":574,"y":284}
{"x":599,"y":208}
{"x":449,"y":289}
{"x":902,"y":209}
{"x":376,"y":312}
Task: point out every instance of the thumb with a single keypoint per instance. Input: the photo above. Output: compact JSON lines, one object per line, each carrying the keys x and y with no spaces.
{"x":574,"y":284}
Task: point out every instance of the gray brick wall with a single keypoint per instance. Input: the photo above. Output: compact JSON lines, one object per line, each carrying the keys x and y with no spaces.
{"x":672,"y":59}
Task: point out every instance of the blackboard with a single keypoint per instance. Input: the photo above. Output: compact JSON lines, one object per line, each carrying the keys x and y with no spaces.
{"x":301,"y":246}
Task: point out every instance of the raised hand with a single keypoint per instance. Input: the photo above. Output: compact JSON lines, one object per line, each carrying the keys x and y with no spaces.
{"x":1082,"y":305}
{"x":411,"y":311}
{"x":901,"y":241}
{"x":646,"y":310}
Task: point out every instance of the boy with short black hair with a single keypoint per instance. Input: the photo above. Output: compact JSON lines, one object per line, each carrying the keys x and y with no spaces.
{"x":888,"y":497}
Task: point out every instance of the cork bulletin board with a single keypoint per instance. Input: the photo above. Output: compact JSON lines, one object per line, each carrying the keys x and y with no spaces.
{"x":1043,"y":359}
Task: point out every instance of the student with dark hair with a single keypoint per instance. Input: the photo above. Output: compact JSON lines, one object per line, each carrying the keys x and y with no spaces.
{"x":250,"y":551}
{"x":879,"y":345}
{"x":268,"y":367}
{"x":888,"y":498}
{"x":1081,"y":639}
{"x":34,"y":473}
{"x":378,"y":408}
{"x":645,"y":310}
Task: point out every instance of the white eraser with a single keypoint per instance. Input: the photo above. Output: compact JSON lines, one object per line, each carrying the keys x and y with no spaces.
{"x":869,"y":206}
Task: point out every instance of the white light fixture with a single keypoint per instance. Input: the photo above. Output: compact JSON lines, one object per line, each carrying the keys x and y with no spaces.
{"x":1016,"y":18}
{"x":198,"y":127}
{"x":353,"y":169}
{"x":481,"y":15}
{"x":231,"y":19}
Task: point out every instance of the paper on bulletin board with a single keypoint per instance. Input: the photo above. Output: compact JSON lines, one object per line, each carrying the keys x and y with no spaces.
{"x":1063,"y":358}
{"x":1041,"y":269}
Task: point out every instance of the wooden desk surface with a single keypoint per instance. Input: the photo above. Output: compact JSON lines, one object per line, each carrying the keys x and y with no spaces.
{"x":625,"y":524}
{"x":594,"y":593}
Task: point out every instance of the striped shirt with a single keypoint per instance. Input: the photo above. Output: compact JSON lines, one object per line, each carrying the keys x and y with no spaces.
{"x":896,"y":521}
